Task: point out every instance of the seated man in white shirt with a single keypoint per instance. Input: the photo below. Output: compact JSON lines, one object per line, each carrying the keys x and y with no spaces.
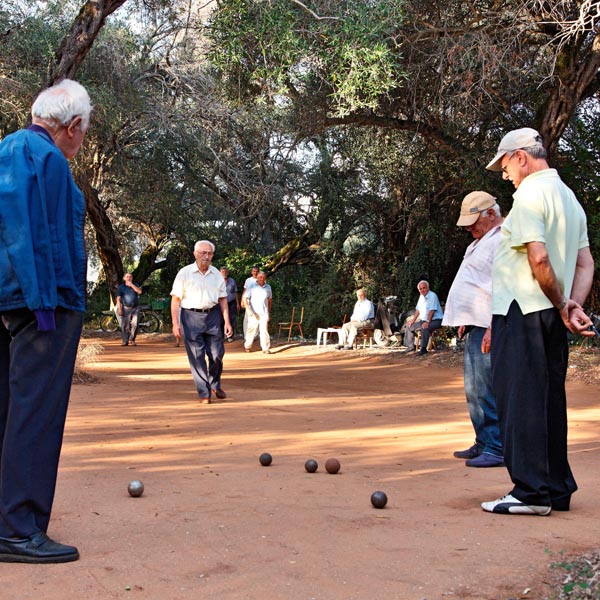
{"x":427,"y":318}
{"x":362,"y":316}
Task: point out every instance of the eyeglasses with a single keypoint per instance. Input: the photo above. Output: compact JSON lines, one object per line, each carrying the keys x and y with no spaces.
{"x":503,"y":169}
{"x":205,"y":253}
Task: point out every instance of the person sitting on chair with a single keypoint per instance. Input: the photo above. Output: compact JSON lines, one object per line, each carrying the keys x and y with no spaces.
{"x":430,"y":312}
{"x":362,"y":316}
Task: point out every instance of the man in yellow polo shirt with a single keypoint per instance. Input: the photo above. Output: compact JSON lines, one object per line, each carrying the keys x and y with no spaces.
{"x":542,"y":274}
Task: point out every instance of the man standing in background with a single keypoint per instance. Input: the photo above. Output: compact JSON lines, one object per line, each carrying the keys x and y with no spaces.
{"x":469,"y":307}
{"x":128,"y":308}
{"x":233,"y":301}
{"x":259,"y":301}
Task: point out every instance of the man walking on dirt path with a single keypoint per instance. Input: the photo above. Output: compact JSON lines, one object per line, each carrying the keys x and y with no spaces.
{"x":259,"y":301}
{"x":198,"y":309}
{"x":542,"y":274}
{"x":128,"y":308}
{"x":469,"y":307}
{"x":42,"y":303}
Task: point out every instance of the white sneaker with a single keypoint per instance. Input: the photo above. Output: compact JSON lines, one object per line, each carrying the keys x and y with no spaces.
{"x":509,"y":505}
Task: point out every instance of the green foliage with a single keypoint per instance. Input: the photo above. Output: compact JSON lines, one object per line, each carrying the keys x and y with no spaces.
{"x":270,"y":48}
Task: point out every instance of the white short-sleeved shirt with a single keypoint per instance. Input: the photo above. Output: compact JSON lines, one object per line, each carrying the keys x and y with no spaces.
{"x":470,"y":298}
{"x":258,"y":298}
{"x":250,"y":282}
{"x":545,"y":210}
{"x":197,"y":289}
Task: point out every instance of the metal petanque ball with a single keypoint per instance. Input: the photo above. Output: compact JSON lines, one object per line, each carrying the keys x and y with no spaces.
{"x":265,"y":459}
{"x":135,"y":488}
{"x":332,"y":466}
{"x":311,"y":465}
{"x":379,"y":499}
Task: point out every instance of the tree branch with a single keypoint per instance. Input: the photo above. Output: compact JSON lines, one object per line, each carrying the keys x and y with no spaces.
{"x":314,"y":14}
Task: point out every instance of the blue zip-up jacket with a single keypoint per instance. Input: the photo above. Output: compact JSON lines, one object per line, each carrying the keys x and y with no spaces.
{"x":42,"y":251}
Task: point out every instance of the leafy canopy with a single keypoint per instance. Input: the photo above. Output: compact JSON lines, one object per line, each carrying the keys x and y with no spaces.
{"x":281,"y":47}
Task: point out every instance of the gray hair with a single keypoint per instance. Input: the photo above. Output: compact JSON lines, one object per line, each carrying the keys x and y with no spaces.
{"x":496,"y":209}
{"x":197,"y":245}
{"x":535,"y":151}
{"x":423,"y":281}
{"x":62,"y":103}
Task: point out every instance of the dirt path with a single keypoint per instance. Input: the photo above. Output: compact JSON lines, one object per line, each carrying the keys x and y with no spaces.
{"x":213,"y":523}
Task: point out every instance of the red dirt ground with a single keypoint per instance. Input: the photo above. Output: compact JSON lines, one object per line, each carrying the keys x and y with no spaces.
{"x":214,"y":524}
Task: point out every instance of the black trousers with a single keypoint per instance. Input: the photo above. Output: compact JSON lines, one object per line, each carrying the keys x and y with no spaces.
{"x":36,"y":370}
{"x":529,"y":367}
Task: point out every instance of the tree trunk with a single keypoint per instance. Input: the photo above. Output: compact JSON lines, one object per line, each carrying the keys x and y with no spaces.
{"x":575,"y":73}
{"x":106,"y":238}
{"x":78,"y":41}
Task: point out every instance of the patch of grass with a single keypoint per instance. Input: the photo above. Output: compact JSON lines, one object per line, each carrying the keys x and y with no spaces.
{"x":578,"y":578}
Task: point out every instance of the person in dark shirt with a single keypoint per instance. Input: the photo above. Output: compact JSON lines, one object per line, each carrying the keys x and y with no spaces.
{"x":128,"y":308}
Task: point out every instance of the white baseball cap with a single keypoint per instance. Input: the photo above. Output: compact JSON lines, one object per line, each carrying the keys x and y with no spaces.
{"x":515,"y":140}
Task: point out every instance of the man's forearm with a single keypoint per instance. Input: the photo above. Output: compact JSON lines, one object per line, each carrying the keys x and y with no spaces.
{"x":175,"y":306}
{"x":225,"y":310}
{"x":543,"y":273}
{"x":584,"y":276}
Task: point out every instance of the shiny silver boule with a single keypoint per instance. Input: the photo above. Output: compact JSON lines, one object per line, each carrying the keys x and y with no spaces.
{"x":135,"y":488}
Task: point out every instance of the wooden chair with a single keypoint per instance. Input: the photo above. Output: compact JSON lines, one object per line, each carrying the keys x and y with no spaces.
{"x":289,"y":325}
{"x":364,"y":335}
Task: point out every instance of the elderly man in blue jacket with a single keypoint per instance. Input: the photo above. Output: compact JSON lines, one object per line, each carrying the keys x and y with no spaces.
{"x":42,"y":301}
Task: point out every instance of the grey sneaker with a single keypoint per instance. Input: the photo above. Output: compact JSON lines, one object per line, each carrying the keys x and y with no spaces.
{"x":509,"y":505}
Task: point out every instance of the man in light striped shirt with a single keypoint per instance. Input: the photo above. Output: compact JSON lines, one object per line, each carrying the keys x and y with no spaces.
{"x":469,"y":307}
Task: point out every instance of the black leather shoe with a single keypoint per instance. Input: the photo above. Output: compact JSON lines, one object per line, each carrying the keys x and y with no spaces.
{"x":220,"y":394}
{"x":37,"y":548}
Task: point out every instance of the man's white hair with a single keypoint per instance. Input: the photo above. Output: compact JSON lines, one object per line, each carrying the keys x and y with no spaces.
{"x":63,"y":102}
{"x":197,"y":245}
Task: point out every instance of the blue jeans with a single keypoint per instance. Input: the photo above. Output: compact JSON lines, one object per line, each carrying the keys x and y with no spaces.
{"x":480,"y":394}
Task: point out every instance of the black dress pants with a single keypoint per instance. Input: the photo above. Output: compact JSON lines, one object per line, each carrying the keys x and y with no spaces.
{"x":36,"y":371}
{"x":529,"y":366}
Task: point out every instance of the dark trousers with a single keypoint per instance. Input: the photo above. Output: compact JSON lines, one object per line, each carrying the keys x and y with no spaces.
{"x":129,"y":323}
{"x":409,"y":334}
{"x":232,"y":307}
{"x":36,"y":370}
{"x":203,"y":338}
{"x":529,"y":366}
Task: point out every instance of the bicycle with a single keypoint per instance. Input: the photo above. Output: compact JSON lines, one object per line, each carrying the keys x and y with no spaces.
{"x":148,"y":321}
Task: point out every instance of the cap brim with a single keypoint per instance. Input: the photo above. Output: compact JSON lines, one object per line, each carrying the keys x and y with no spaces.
{"x":494,"y":164}
{"x":466,"y":220}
